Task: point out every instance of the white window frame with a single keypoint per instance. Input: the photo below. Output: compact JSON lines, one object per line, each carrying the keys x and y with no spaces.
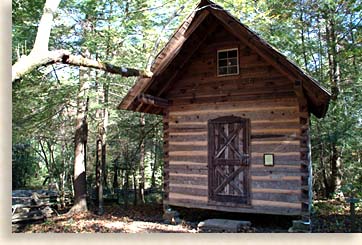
{"x":237,"y":61}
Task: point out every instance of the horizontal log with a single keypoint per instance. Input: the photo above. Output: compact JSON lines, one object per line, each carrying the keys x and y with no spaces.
{"x":231,"y":109}
{"x":270,"y":116}
{"x":177,"y":179}
{"x":187,"y":133}
{"x":189,"y":143}
{"x":276,"y":171}
{"x":187,"y":166}
{"x":181,"y":128}
{"x":208,"y":62}
{"x":281,"y":131}
{"x":153,"y":100}
{"x":187,"y":163}
{"x":277,"y":178}
{"x":279,"y":197}
{"x":277,"y":184}
{"x":195,"y":159}
{"x":209,"y":71}
{"x":188,"y":82}
{"x":231,"y":98}
{"x":274,"y":142}
{"x":276,"y":137}
{"x":209,"y":50}
{"x":257,"y":139}
{"x":187,"y":147}
{"x":271,"y":190}
{"x":182,"y":94}
{"x":276,"y":168}
{"x":203,"y":187}
{"x":177,"y":196}
{"x":188,"y":124}
{"x":188,"y":191}
{"x":263,"y":148}
{"x":188,"y":175}
{"x":202,"y":156}
{"x":240,"y":209}
{"x":256,"y":133}
{"x":276,"y":204}
{"x":186,"y":171}
{"x":188,"y":153}
{"x":254,"y":169}
{"x":246,"y":73}
{"x":256,"y":124}
{"x":276,"y":154}
{"x":279,"y":158}
{"x":254,"y":143}
{"x":272,"y":128}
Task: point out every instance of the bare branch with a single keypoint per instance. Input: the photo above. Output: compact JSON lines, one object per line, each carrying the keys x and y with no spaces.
{"x":28,"y":63}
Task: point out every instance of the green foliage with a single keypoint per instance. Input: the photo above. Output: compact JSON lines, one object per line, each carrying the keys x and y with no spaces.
{"x":25,"y":17}
{"x":24,"y":166}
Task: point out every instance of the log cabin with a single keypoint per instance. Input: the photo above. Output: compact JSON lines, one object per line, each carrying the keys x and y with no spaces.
{"x":236,"y":118}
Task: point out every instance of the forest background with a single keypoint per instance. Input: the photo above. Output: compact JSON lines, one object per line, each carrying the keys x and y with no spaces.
{"x":124,"y":149}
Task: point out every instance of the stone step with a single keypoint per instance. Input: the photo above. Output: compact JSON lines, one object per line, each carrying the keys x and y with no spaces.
{"x":300,"y":226}
{"x":223,"y":225}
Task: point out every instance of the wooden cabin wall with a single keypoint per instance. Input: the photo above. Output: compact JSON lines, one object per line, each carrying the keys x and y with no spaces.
{"x":278,"y":122}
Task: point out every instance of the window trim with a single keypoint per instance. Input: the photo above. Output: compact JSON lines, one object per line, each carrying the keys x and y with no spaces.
{"x":237,"y":60}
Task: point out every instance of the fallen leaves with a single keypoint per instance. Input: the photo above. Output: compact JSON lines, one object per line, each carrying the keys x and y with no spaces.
{"x":148,"y":219}
{"x":140,"y":219}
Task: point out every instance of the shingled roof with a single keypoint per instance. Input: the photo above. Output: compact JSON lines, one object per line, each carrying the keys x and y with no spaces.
{"x":317,"y":96}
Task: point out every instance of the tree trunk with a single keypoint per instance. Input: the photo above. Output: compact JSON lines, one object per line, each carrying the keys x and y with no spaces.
{"x":104,"y":133}
{"x":99,"y":176}
{"x":334,"y":69}
{"x":335,"y":180}
{"x":81,"y":135}
{"x":141,"y":188}
{"x":135,"y":201}
{"x":302,"y":35}
{"x":115,"y":183}
{"x":154,"y":167}
{"x":47,"y":163}
{"x":126,"y":187}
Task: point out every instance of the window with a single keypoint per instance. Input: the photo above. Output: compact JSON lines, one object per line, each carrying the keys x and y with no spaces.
{"x":227,"y":62}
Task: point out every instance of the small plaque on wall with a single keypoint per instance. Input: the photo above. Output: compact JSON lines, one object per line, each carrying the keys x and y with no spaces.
{"x":268,"y":159}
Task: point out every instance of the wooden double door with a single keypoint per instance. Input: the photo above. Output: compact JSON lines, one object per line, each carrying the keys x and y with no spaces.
{"x":229,"y":158}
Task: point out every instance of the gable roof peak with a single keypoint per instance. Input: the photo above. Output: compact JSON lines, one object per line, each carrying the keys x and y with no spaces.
{"x":317,"y":96}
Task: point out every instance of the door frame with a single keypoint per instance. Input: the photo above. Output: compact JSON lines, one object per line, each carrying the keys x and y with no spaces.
{"x":245,"y":124}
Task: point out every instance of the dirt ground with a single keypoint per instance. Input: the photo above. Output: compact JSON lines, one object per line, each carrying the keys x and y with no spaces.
{"x":117,"y":219}
{"x":148,"y":219}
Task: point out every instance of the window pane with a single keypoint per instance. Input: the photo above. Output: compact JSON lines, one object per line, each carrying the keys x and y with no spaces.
{"x":233,"y":62}
{"x":222,"y":62}
{"x":222,"y":70}
{"x":232,"y":70}
{"x":232,"y":53}
{"x":222,"y":55}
